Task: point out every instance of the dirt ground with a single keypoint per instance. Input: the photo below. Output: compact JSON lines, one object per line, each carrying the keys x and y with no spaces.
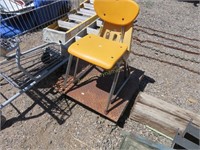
{"x":165,"y":46}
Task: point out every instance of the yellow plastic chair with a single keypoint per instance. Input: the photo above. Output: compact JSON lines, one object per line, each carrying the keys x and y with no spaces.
{"x":109,"y":49}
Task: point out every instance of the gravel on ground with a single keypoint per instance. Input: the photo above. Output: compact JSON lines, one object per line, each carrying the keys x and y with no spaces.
{"x":45,"y":119}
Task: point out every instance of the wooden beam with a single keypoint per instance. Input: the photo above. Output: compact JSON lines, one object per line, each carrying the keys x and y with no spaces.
{"x":86,"y":12}
{"x":92,"y":31}
{"x":88,"y":6}
{"x":91,"y":1}
{"x":162,"y":116}
{"x":77,"y":18}
{"x":66,"y":25}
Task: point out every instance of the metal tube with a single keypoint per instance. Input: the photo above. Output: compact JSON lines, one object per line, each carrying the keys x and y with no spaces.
{"x":112,"y":90}
{"x":18,"y":55}
{"x":23,"y":61}
{"x":33,"y":49}
{"x":9,"y":80}
{"x":83,"y":73}
{"x":11,"y":99}
{"x":121,"y":87}
{"x":122,"y":36}
{"x":12,"y":17}
{"x":24,"y":22}
{"x":42,"y":76}
{"x":76,"y":67}
{"x":68,"y":70}
{"x":101,"y":28}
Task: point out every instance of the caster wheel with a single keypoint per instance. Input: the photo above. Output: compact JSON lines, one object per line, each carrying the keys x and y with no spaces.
{"x":46,"y":57}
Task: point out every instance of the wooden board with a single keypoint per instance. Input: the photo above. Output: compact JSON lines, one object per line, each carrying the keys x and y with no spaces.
{"x":162,"y":116}
{"x":67,"y":27}
{"x":52,"y":35}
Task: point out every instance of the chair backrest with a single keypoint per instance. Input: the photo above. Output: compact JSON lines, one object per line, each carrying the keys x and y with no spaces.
{"x":118,"y":12}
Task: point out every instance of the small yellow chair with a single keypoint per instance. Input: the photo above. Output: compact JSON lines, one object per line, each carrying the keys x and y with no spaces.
{"x":109,"y":49}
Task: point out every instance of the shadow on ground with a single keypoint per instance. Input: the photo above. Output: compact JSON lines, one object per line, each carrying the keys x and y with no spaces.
{"x":59,"y":106}
{"x":194,"y":2}
{"x":55,"y":104}
{"x":140,"y":87}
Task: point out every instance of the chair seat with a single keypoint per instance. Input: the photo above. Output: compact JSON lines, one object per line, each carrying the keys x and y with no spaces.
{"x":98,"y":51}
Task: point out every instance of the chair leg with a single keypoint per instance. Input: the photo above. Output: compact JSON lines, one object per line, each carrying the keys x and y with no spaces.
{"x":68,"y":70}
{"x":76,"y":67}
{"x":112,"y":90}
{"x":126,"y":70}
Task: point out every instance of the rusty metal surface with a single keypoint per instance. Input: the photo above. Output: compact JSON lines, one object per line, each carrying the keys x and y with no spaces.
{"x":93,"y":90}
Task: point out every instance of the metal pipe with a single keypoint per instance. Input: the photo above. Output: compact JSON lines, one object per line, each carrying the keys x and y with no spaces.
{"x":83,"y":73}
{"x":30,"y":50}
{"x":122,"y":36}
{"x":112,"y":90}
{"x":76,"y":67}
{"x":121,"y":87}
{"x":68,"y":70}
{"x":9,"y":80}
{"x":42,"y":76}
{"x":18,"y":55}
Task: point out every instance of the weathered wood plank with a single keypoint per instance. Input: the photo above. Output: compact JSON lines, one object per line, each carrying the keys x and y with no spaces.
{"x":88,"y":6}
{"x":55,"y":32}
{"x":77,"y":18}
{"x":77,"y":38}
{"x":86,"y":12}
{"x":50,"y":35}
{"x":157,"y":119}
{"x":92,"y":31}
{"x":169,"y":108}
{"x":161,"y":115}
{"x":83,"y":13}
{"x":66,"y":25}
{"x":91,"y":1}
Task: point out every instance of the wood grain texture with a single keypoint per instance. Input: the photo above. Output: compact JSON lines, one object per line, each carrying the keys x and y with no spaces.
{"x":162,"y":116}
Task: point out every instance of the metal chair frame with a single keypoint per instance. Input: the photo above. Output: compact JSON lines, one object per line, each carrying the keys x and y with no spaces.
{"x":105,"y":13}
{"x":115,"y":79}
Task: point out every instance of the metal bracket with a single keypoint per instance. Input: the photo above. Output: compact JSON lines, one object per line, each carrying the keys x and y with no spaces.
{"x":189,"y":139}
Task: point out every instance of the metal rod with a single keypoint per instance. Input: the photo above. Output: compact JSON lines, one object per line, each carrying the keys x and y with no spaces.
{"x":76,"y":67}
{"x":121,"y":87}
{"x":42,"y":76}
{"x":30,"y":50}
{"x":21,"y":77}
{"x":9,"y":80}
{"x":32,"y":66}
{"x":23,"y":62}
{"x":83,"y":73}
{"x":9,"y":63}
{"x":42,"y":66}
{"x":0,"y":118}
{"x":68,"y":70}
{"x":18,"y":54}
{"x":112,"y":90}
{"x":29,"y":20}
{"x":122,"y":36}
{"x":101,"y":29}
{"x":11,"y":17}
